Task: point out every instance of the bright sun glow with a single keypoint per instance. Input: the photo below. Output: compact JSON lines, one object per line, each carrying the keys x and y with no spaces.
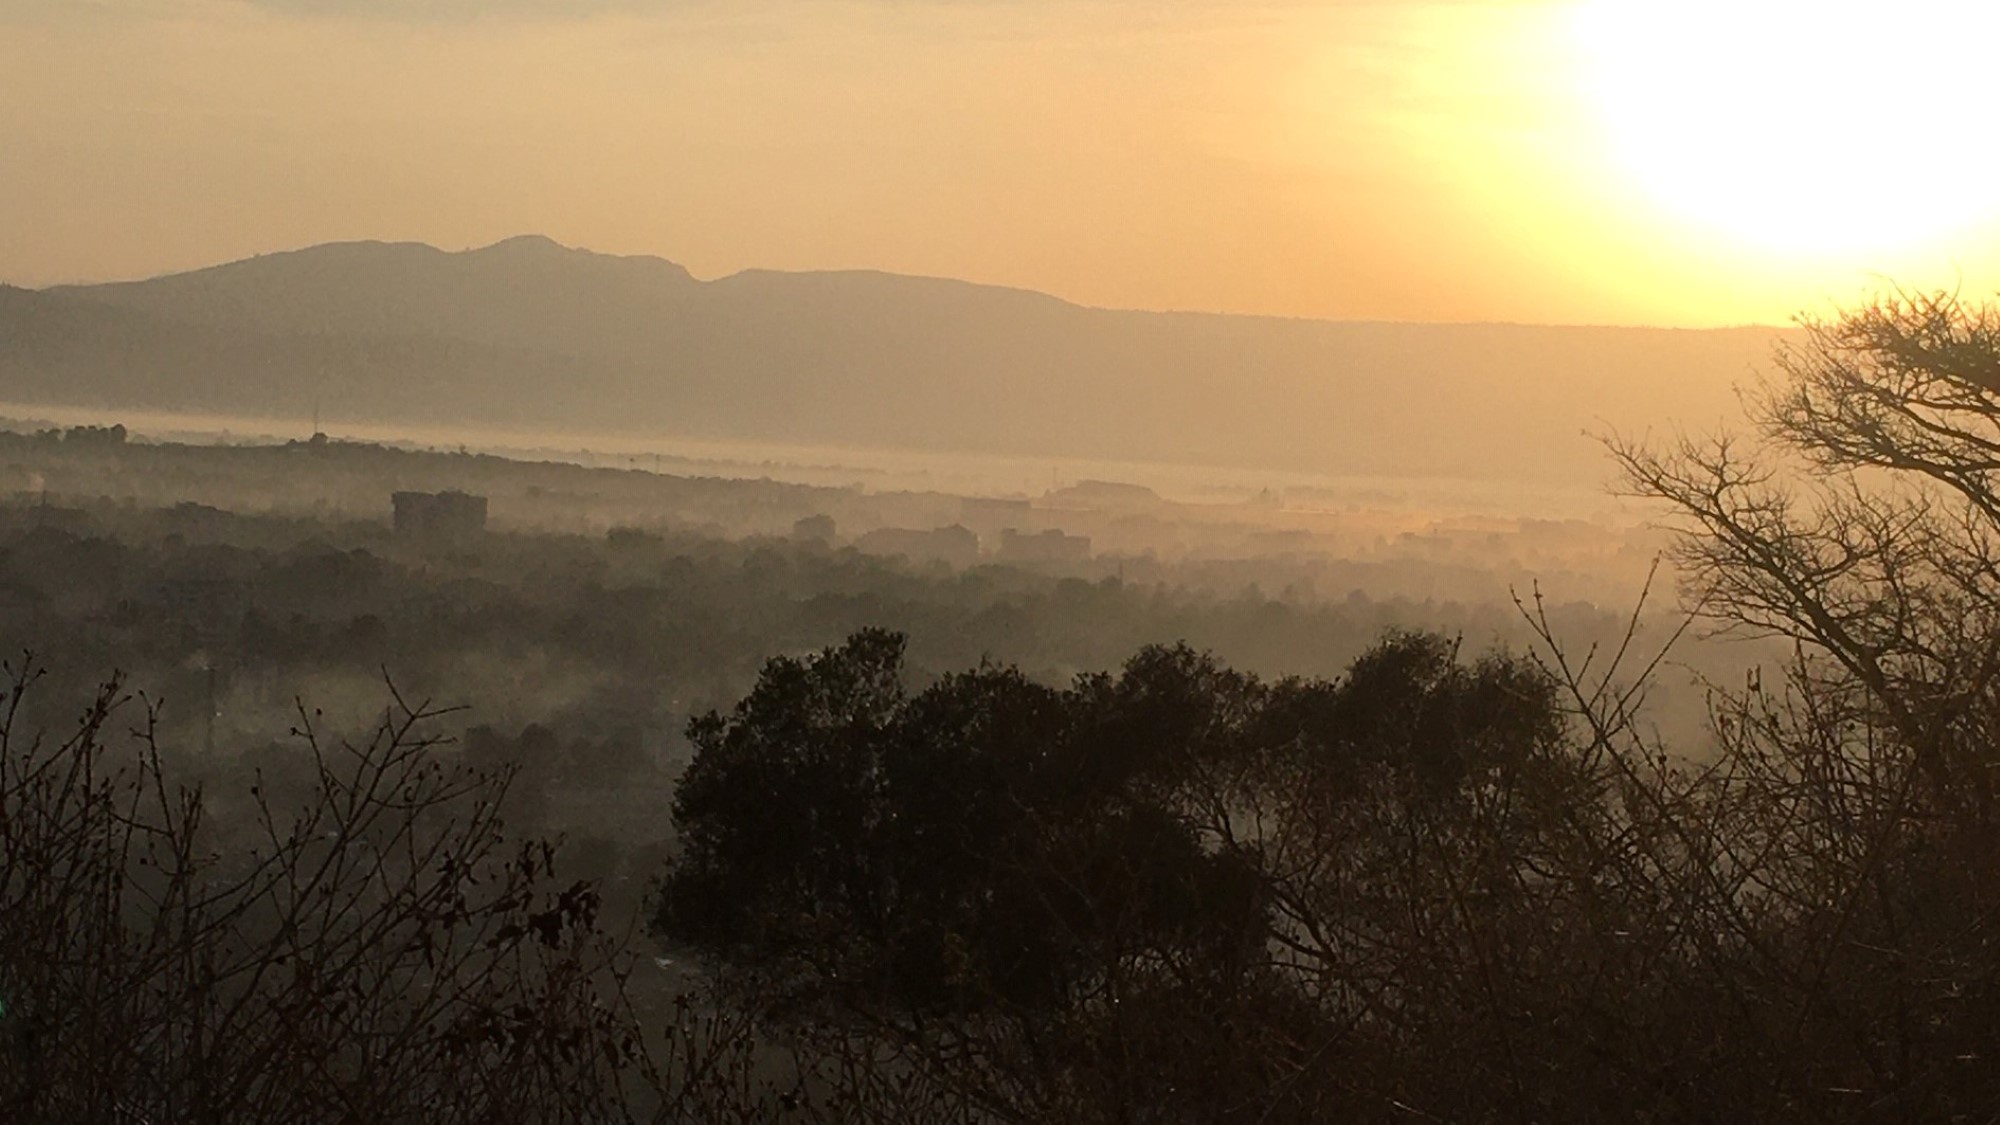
{"x":1803,"y":126}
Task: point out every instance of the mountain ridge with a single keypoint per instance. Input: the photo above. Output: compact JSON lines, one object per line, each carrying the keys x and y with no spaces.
{"x":528,"y":332}
{"x":544,"y":242}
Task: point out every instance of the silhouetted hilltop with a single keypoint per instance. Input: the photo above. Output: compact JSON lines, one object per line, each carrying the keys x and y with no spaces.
{"x":523,"y":291}
{"x":528,"y":333}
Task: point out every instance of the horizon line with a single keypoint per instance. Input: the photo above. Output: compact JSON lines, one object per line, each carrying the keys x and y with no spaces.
{"x":536,"y":237}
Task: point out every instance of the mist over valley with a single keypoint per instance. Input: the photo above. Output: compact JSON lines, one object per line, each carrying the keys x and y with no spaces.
{"x":868,"y":563}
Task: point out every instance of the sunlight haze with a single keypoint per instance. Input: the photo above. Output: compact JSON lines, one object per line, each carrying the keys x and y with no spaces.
{"x":1596,"y":162}
{"x":1812,"y":130}
{"x":858,"y":562}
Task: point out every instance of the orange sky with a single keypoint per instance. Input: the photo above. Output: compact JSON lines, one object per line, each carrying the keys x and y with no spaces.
{"x":1531,"y":160}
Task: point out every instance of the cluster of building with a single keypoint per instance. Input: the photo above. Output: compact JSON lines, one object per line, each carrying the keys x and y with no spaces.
{"x":956,"y":544}
{"x":456,"y":516}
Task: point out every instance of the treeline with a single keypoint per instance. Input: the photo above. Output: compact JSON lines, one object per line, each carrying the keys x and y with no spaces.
{"x":576,"y":659}
{"x":605,"y":637}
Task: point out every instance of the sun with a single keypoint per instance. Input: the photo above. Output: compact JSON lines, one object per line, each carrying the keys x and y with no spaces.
{"x":1808,"y":127}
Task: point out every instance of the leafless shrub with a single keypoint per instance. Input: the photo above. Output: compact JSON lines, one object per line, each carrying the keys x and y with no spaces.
{"x":383,"y":952}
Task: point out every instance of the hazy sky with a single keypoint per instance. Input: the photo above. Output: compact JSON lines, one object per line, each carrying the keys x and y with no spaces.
{"x":1648,"y":161}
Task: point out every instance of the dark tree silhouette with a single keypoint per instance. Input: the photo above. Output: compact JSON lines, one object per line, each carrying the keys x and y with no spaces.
{"x":1144,"y":894}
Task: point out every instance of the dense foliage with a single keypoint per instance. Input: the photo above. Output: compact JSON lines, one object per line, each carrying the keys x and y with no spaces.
{"x":1158,"y":892}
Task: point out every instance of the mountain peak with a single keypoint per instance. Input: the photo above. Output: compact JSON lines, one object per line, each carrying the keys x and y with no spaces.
{"x":539,"y":251}
{"x":528,"y":244}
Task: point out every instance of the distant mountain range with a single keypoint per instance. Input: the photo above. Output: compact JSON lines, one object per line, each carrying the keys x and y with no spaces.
{"x":528,"y":334}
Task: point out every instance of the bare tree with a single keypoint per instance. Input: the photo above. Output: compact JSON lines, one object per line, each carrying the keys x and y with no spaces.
{"x":382,"y":952}
{"x":1852,"y":832}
